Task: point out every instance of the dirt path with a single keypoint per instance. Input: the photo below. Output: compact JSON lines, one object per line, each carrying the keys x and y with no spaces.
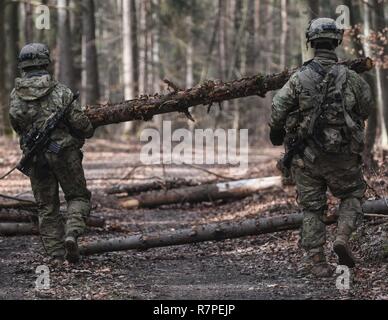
{"x":264,"y":267}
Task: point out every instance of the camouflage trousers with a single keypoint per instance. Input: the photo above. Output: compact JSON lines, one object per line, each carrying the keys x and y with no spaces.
{"x":342,"y":175}
{"x":50,"y":172}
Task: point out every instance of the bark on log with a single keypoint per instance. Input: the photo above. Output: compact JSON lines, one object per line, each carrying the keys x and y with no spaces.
{"x":8,"y":217}
{"x":18,"y":229}
{"x":211,"y":232}
{"x":21,"y":205}
{"x":209,"y":192}
{"x":376,"y":207}
{"x":25,"y":227}
{"x":151,"y":186}
{"x":203,"y":233}
{"x":208,"y":93}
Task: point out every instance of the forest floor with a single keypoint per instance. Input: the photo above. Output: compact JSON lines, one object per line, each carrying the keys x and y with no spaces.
{"x":262,"y":267}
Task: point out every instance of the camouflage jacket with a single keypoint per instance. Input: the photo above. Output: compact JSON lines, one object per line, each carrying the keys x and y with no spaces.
{"x":295,"y":98}
{"x":35,"y":99}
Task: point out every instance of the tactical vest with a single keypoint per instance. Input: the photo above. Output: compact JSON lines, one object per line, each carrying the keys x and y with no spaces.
{"x":324,"y":120}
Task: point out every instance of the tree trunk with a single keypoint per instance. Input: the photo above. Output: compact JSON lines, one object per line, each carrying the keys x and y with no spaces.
{"x":210,"y":232}
{"x":151,"y":186}
{"x":12,"y":44}
{"x":25,"y":228}
{"x":222,"y":39}
{"x":22,"y":205}
{"x":92,"y":222}
{"x":203,"y":233}
{"x":92,"y":88}
{"x":3,"y":88}
{"x":284,"y":35}
{"x":210,"y":192}
{"x":376,"y":206}
{"x":65,"y":55}
{"x":308,"y":10}
{"x":28,"y":23}
{"x":359,"y":51}
{"x":143,"y":48}
{"x":18,"y":229}
{"x":210,"y":92}
{"x":128,"y":62}
{"x":380,"y":26}
{"x":269,"y":36}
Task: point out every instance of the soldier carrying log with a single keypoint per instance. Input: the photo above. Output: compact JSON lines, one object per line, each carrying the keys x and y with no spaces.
{"x":320,"y":115}
{"x":35,"y":102}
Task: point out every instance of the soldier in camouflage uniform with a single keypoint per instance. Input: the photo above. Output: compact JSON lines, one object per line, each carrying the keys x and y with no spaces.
{"x":323,"y":108}
{"x":35,"y":98}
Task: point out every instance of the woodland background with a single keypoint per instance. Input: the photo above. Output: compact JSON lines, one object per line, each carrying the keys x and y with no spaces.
{"x":119,"y":49}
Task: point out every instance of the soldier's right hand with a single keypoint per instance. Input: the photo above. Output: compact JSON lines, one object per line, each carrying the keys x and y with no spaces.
{"x":277,"y":136}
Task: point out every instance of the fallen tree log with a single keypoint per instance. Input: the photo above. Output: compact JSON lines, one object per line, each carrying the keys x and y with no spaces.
{"x":18,"y":205}
{"x":376,"y":206}
{"x":17,"y":217}
{"x":18,"y":229}
{"x":151,"y":186}
{"x":19,"y":225}
{"x":208,"y":93}
{"x":207,"y":192}
{"x":203,"y":233}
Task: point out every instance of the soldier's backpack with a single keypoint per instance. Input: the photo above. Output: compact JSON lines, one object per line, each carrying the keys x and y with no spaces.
{"x":324,"y":118}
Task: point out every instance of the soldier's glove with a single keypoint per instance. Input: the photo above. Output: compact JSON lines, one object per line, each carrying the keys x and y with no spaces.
{"x":277,"y":136}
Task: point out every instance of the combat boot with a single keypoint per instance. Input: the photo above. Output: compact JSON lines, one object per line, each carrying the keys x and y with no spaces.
{"x":316,"y":264}
{"x":57,"y":261}
{"x":343,"y":251}
{"x":72,"y":250}
{"x":320,"y":268}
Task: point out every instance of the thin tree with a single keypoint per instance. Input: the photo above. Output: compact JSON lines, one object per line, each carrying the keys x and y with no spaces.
{"x":380,"y":28}
{"x":65,"y":68}
{"x":3,"y":106}
{"x":308,"y":10}
{"x":92,"y":88}
{"x":12,"y":40}
{"x":284,"y":34}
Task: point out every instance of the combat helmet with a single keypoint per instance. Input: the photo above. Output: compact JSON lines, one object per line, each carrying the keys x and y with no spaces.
{"x":34,"y":55}
{"x":323,"y":29}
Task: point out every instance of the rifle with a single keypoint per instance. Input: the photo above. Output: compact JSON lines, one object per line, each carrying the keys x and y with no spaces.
{"x":38,"y":140}
{"x":295,"y":147}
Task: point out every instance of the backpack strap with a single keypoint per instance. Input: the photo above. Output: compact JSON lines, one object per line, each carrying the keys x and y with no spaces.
{"x":317,"y":67}
{"x":310,"y":75}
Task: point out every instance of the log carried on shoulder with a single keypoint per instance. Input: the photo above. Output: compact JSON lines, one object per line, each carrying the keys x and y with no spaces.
{"x":208,"y":93}
{"x":207,"y":192}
